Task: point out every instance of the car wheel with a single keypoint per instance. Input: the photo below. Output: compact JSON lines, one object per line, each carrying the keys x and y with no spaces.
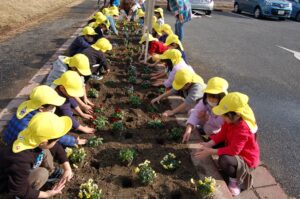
{"x":237,"y":8}
{"x":298,"y":17}
{"x":257,"y":13}
{"x":207,"y":12}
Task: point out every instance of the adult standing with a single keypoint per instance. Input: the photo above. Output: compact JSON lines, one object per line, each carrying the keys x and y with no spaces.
{"x":183,"y":12}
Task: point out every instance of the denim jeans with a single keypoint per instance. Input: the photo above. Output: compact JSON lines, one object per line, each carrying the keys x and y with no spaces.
{"x":112,"y":24}
{"x":179,"y":29}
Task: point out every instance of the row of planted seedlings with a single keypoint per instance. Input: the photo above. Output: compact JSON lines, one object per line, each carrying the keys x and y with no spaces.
{"x":125,"y":119}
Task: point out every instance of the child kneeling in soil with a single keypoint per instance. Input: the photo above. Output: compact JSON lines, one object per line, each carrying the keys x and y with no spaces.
{"x":70,"y":85}
{"x":173,"y":42}
{"x":42,"y":99}
{"x":202,"y":113}
{"x":80,"y":64}
{"x":27,"y":164}
{"x":166,"y":30}
{"x":83,"y":41}
{"x":97,"y":59}
{"x":241,"y":152}
{"x":187,"y":84}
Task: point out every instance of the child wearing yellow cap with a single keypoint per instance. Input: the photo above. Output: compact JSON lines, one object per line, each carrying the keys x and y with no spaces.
{"x":27,"y":164}
{"x":159,"y":13}
{"x":165,"y":30}
{"x":202,"y":114}
{"x":42,"y":99}
{"x":240,"y":155}
{"x":105,"y":20}
{"x":189,"y":85}
{"x":173,"y":42}
{"x":70,"y":85}
{"x":97,"y":60}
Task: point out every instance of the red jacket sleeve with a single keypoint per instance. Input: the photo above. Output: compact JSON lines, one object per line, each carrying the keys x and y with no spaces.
{"x":220,"y":137}
{"x":152,"y":48}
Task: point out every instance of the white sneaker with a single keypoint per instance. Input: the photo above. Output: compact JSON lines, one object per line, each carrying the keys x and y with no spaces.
{"x":234,"y":187}
{"x":96,"y":77}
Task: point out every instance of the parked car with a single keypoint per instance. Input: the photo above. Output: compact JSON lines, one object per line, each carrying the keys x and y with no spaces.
{"x":281,"y":9}
{"x":296,"y":10}
{"x":203,"y":5}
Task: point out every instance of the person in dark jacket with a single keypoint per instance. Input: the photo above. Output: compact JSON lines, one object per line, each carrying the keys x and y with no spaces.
{"x":27,"y":164}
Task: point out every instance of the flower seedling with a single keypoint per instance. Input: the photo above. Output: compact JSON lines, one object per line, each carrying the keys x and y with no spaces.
{"x":132,"y":79}
{"x":100,"y":122}
{"x":94,"y":141}
{"x":146,"y":70}
{"x":161,"y":90}
{"x":175,"y":133}
{"x":155,"y":124}
{"x":205,"y":188}
{"x":135,"y":101}
{"x":117,"y":115}
{"x":76,"y":155}
{"x":169,"y":162}
{"x":93,"y":93}
{"x":145,"y":173}
{"x":110,"y":83}
{"x":129,"y":91}
{"x":127,"y":156}
{"x":118,"y":126}
{"x":132,"y":70}
{"x":99,"y":109}
{"x":151,"y":109}
{"x":89,"y":190}
{"x":146,"y":84}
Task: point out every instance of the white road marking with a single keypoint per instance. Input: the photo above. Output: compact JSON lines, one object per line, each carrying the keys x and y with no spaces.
{"x":296,"y":54}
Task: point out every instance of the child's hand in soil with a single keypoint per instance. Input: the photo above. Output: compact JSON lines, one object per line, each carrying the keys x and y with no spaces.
{"x":187,"y":133}
{"x":87,"y":116}
{"x":157,"y":83}
{"x":88,"y":130}
{"x":81,"y":141}
{"x":87,"y":109}
{"x":88,"y":102}
{"x":168,"y":113}
{"x":57,"y":189}
{"x":155,"y":100}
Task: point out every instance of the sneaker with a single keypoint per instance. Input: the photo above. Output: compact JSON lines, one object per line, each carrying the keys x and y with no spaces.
{"x":97,"y":77}
{"x":234,"y":187}
{"x":56,"y":175}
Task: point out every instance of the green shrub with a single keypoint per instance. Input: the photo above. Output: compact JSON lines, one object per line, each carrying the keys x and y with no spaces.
{"x":127,"y":155}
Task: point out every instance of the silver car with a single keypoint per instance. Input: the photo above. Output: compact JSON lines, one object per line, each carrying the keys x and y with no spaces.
{"x":204,"y":5}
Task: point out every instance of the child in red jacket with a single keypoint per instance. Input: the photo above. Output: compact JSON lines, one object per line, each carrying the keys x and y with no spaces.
{"x":240,"y":155}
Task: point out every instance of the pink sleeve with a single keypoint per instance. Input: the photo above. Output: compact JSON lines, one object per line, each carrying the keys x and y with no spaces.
{"x":193,"y":118}
{"x":168,"y":82}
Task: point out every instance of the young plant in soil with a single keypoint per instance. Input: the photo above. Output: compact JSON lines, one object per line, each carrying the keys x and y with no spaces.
{"x":129,"y":91}
{"x":110,"y":83}
{"x":100,"y":122}
{"x":155,"y":124}
{"x":145,"y":173}
{"x":135,"y":101}
{"x":89,"y":190}
{"x":205,"y":188}
{"x":132,"y":79}
{"x":169,"y":162}
{"x":117,"y":115}
{"x":132,"y":71}
{"x":151,"y":109}
{"x":118,"y":126}
{"x":93,"y":93}
{"x":146,"y":84}
{"x":99,"y":109}
{"x":126,"y":156}
{"x":76,"y":155}
{"x":161,"y":90}
{"x":146,"y":70}
{"x":145,"y":76}
{"x":175,"y":133}
{"x":94,"y":141}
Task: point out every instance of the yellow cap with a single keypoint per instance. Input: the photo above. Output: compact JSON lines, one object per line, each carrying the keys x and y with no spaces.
{"x":114,"y":11}
{"x":150,"y":38}
{"x":81,"y":62}
{"x":172,"y":38}
{"x":216,"y":85}
{"x":93,"y":24}
{"x":184,"y":76}
{"x":101,"y":19}
{"x":173,"y":54}
{"x":160,"y":11}
{"x":41,"y":95}
{"x":97,"y":15}
{"x":102,"y":44}
{"x":157,"y":28}
{"x":88,"y":31}
{"x":42,"y":127}
{"x":106,"y":11}
{"x":237,"y":102}
{"x":140,"y":13}
{"x":72,"y":82}
{"x":167,"y":29}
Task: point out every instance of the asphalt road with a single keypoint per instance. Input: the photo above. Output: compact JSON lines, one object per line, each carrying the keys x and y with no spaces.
{"x":24,"y":54}
{"x":244,"y":51}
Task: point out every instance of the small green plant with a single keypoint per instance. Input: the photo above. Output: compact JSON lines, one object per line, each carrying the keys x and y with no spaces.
{"x":132,"y":70}
{"x":161,"y":90}
{"x":175,"y":133}
{"x":169,"y":162}
{"x":155,"y":124}
{"x":93,"y":93}
{"x":89,"y":190}
{"x":132,"y":79}
{"x":129,"y":91}
{"x":205,"y":188}
{"x":110,"y":83}
{"x":146,"y":84}
{"x":151,"y":109}
{"x":145,"y":173}
{"x":100,"y":122}
{"x":135,"y":101}
{"x":94,"y":141}
{"x":99,"y":109}
{"x":146,"y":70}
{"x":76,"y":155}
{"x":118,"y":126}
{"x":145,"y":76}
{"x":127,"y":156}
{"x":117,"y":115}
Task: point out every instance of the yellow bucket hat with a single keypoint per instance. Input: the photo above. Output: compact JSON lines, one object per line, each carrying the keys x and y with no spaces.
{"x":160,"y":11}
{"x":184,"y":76}
{"x":81,"y":62}
{"x":216,"y":85}
{"x":172,"y":38}
{"x":150,"y":38}
{"x":157,"y":28}
{"x":106,"y":11}
{"x":88,"y":31}
{"x":140,"y":13}
{"x":97,"y":15}
{"x":173,"y":54}
{"x":167,"y":29}
{"x":237,"y":102}
{"x":102,"y":44}
{"x":42,"y":127}
{"x":101,"y":19}
{"x":93,"y":24}
{"x":114,"y":10}
{"x":39,"y":96}
{"x":72,"y":82}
